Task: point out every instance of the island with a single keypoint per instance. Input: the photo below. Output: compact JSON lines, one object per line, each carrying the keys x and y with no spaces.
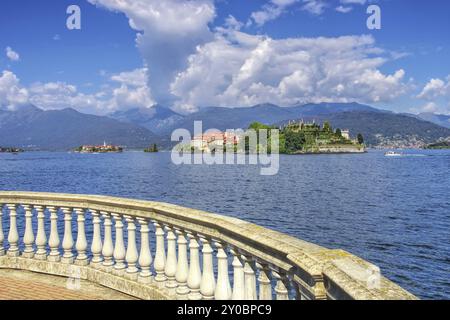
{"x":296,"y":137}
{"x":439,"y":145}
{"x":152,"y":148}
{"x":10,"y":150}
{"x":299,"y":137}
{"x":105,"y":148}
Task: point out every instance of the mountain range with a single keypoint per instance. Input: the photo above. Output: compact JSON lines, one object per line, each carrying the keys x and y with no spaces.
{"x":379,"y":127}
{"x":32,"y":128}
{"x":440,"y":119}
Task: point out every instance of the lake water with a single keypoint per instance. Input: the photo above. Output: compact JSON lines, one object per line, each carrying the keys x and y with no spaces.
{"x":394,"y":212}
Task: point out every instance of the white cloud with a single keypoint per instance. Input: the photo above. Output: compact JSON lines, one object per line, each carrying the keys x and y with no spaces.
{"x":271,"y":11}
{"x":11,"y":54}
{"x":361,"y":2}
{"x":430,"y":107}
{"x":237,"y":69}
{"x":169,"y":31}
{"x":189,"y":65}
{"x":437,"y":93}
{"x":132,"y":92}
{"x":436,"y":88}
{"x":316,"y":7}
{"x":275,"y":8}
{"x":12,"y":95}
{"x":347,"y":5}
{"x":343,"y":9}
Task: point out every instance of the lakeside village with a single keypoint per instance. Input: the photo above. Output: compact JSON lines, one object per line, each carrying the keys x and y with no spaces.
{"x":297,"y":137}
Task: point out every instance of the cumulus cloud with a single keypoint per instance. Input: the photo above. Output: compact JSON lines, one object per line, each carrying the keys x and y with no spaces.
{"x":133,"y":92}
{"x":437,"y":94}
{"x":127,"y":90}
{"x":436,"y":88}
{"x":238,"y":69}
{"x":12,"y":95}
{"x":11,"y":54}
{"x":168,"y":32}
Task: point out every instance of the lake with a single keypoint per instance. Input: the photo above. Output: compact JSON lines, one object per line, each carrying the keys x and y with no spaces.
{"x":391,"y":211}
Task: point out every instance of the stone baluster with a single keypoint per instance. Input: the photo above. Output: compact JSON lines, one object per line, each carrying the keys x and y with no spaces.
{"x":132,"y":254}
{"x":223,"y":287}
{"x":81,"y":244}
{"x":2,"y":235}
{"x":67,"y":243}
{"x":96,"y":246}
{"x":28,"y":237}
{"x":281,"y":288}
{"x":13,"y":235}
{"x":238,"y":276}
{"x":171,"y":262}
{"x":160,"y":255}
{"x":119,"y":246}
{"x":145,"y":255}
{"x":249,"y":278}
{"x":41,"y":237}
{"x":108,"y":248}
{"x":265,"y":285}
{"x":195,"y":274}
{"x":53,"y":240}
{"x":182,"y":266}
{"x":208,"y":283}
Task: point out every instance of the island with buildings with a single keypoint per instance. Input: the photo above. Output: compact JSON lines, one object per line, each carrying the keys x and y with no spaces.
{"x":10,"y":150}
{"x":299,"y":137}
{"x":296,"y":137}
{"x":105,"y":148}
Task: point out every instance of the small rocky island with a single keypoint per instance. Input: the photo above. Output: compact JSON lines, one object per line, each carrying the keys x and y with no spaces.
{"x":153,"y":148}
{"x":10,"y":150}
{"x":105,"y":148}
{"x":439,"y":145}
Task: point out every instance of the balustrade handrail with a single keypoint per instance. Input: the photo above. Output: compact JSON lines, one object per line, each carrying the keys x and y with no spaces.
{"x":316,"y":272}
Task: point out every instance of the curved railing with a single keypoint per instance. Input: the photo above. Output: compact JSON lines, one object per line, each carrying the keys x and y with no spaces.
{"x":237,"y":259}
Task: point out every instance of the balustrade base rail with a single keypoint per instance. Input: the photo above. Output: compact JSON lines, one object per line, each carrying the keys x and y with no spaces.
{"x":198,"y":255}
{"x":100,"y":276}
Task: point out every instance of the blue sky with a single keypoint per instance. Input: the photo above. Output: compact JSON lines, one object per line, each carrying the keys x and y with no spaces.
{"x":225,"y":52}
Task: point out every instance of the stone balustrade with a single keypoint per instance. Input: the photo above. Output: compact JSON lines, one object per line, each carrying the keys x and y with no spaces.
{"x":153,"y":250}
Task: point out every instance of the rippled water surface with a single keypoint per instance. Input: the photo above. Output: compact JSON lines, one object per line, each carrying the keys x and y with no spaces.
{"x":394,"y":212}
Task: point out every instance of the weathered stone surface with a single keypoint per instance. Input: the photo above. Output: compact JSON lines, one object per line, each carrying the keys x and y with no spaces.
{"x":129,"y":287}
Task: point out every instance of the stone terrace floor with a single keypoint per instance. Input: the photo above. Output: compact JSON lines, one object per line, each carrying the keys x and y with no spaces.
{"x":24,"y":285}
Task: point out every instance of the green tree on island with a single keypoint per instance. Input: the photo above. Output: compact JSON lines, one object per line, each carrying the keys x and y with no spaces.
{"x":360,"y":138}
{"x":327,"y":127}
{"x":338,"y":132}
